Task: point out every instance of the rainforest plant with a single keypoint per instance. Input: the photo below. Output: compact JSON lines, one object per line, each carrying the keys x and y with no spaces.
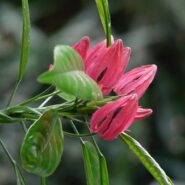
{"x":95,"y":91}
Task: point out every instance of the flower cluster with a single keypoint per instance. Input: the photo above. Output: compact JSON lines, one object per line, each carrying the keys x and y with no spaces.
{"x":106,"y":65}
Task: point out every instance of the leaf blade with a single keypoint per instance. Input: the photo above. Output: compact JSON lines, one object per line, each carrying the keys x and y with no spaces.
{"x":103,"y":10}
{"x":25,"y":39}
{"x":150,"y":164}
{"x":91,"y":163}
{"x":42,"y":147}
{"x":66,"y":59}
{"x":76,"y":83}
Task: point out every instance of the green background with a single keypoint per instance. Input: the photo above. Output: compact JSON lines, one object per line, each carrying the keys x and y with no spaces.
{"x":155,"y":31}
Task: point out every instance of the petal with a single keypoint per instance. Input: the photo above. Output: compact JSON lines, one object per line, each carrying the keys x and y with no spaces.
{"x":136,"y":80}
{"x":82,"y":46}
{"x":142,"y":113}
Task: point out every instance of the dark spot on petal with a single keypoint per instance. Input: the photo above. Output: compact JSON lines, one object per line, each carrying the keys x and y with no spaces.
{"x":101,"y":75}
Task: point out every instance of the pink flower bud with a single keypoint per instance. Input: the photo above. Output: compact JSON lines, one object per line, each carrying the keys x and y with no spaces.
{"x":115,"y":117}
{"x":106,"y":65}
{"x":136,"y":80}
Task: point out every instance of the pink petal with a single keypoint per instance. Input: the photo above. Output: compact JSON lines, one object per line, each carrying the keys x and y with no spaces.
{"x":82,"y":46}
{"x":142,"y":113}
{"x":136,"y":80}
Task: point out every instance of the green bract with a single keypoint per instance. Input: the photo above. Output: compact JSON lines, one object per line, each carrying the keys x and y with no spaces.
{"x":68,"y":75}
{"x":42,"y":146}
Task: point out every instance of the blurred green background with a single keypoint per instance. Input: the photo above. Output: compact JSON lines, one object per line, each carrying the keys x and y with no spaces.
{"x":155,"y":30}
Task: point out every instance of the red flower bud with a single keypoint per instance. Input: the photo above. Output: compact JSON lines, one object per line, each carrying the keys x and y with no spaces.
{"x":115,"y":117}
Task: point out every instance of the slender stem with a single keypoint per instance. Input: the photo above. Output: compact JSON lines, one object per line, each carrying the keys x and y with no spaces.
{"x":74,"y":127}
{"x":7,"y":152}
{"x":39,"y":97}
{"x":45,"y":101}
{"x":43,"y":181}
{"x":78,"y":135}
{"x":94,"y":141}
{"x":13,"y":93}
{"x":108,"y":22}
{"x":24,"y":126}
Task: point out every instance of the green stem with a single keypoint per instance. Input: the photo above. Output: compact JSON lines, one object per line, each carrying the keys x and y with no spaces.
{"x":43,"y":181}
{"x":108,"y":23}
{"x":77,"y":135}
{"x":7,"y":152}
{"x":13,"y":93}
{"x":39,"y":97}
{"x":24,"y":126}
{"x":20,"y":177}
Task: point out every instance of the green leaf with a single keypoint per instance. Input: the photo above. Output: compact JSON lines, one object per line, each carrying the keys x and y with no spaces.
{"x":91,"y":163}
{"x":76,"y":83}
{"x":150,"y":164}
{"x":68,"y":75}
{"x":95,"y":165}
{"x":103,"y":9}
{"x":103,"y":171}
{"x":42,"y":146}
{"x":25,"y":39}
{"x":66,"y":59}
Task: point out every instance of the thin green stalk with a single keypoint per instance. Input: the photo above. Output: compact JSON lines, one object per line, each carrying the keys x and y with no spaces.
{"x":24,"y":126}
{"x":43,"y":181}
{"x":7,"y":152}
{"x":13,"y":93}
{"x":39,"y":97}
{"x":77,"y":135}
{"x":19,"y":176}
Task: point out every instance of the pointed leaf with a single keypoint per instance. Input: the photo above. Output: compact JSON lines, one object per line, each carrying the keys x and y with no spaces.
{"x":103,"y":9}
{"x":150,"y":164}
{"x":103,"y":171}
{"x":25,"y":39}
{"x":95,"y":165}
{"x":76,"y":83}
{"x":91,"y":163}
{"x":66,"y":59}
{"x":42,"y":147}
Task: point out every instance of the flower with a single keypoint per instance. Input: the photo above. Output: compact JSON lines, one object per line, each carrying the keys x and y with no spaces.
{"x":104,"y":65}
{"x":115,"y":117}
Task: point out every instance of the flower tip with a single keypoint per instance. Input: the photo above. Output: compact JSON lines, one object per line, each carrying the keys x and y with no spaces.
{"x":127,"y":50}
{"x":154,"y":67}
{"x":85,"y":39}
